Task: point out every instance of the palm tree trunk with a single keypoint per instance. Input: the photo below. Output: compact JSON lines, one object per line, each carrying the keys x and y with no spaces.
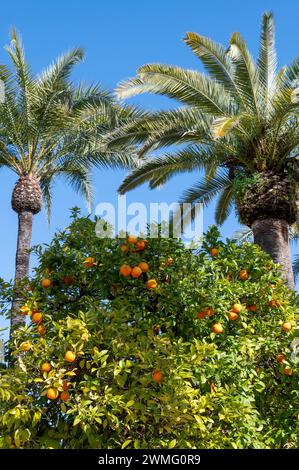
{"x":22,"y":265}
{"x":273,"y":237}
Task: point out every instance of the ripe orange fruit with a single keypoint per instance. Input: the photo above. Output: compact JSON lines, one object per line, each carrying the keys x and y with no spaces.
{"x":67,"y":280}
{"x":124,"y":248}
{"x":272,"y":303}
{"x":46,"y":283}
{"x":158,"y":376}
{"x":24,"y":310}
{"x":89,"y":262}
{"x":25,"y":346}
{"x":41,"y":329}
{"x":37,"y":317}
{"x":143,"y":266}
{"x":236,"y":308}
{"x":288,"y":371}
{"x":64,"y":396}
{"x":136,"y":272}
{"x":125,"y":270}
{"x":214,"y":252}
{"x":46,"y":367}
{"x":251,"y":308}
{"x":52,"y":393}
{"x":169,"y":261}
{"x":287,"y":326}
{"x":243,"y":275}
{"x":132,"y":239}
{"x":280,"y":358}
{"x":141,"y":245}
{"x":201,"y":314}
{"x":217,"y":328}
{"x":151,"y":284}
{"x":233,"y":315}
{"x":70,"y":356}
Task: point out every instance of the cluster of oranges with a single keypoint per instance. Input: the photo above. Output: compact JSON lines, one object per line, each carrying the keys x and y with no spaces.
{"x":36,"y":318}
{"x":217,"y":328}
{"x":135,"y":245}
{"x":53,"y":392}
{"x":234,"y":313}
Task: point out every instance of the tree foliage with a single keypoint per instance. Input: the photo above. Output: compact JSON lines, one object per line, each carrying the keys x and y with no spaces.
{"x":148,"y":371}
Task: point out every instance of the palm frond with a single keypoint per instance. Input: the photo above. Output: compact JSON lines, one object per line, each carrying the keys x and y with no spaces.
{"x":204,"y":191}
{"x":242,"y":235}
{"x":224,"y":205}
{"x":215,"y":59}
{"x":187,"y":86}
{"x":162,"y":168}
{"x":267,"y":61}
{"x":245,"y":71}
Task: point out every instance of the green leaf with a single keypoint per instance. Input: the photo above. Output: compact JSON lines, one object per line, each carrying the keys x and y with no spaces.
{"x":126,"y":443}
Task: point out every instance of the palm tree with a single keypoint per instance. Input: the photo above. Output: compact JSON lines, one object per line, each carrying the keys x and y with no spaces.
{"x":238,"y":124}
{"x":48,"y":128}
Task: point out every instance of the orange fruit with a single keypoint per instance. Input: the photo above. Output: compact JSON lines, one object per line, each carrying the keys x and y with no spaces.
{"x":217,"y":328}
{"x":201,"y":314}
{"x":25,"y":346}
{"x":243,"y":275}
{"x":37,"y":317}
{"x":64,"y":396}
{"x":67,"y":280}
{"x":46,"y":283}
{"x":24,"y":310}
{"x":141,"y":245}
{"x":70,"y":356}
{"x":151,"y":284}
{"x":233,"y":315}
{"x":136,"y":272}
{"x":46,"y":367}
{"x":251,"y":308}
{"x":236,"y":308}
{"x":52,"y":393}
{"x":272,"y":303}
{"x":158,"y":376}
{"x":124,"y":248}
{"x":41,"y":329}
{"x":89,"y":262}
{"x":155,"y":329}
{"x":280,"y":358}
{"x":132,"y":239}
{"x":287,"y":326}
{"x":287,"y":371}
{"x":143,"y":266}
{"x":125,"y":270}
{"x":214,"y":252}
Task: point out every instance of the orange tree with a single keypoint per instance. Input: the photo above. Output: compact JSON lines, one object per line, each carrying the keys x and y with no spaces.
{"x":145,"y":344}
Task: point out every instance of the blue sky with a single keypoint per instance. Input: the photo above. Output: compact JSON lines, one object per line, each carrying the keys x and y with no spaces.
{"x":119,"y":36}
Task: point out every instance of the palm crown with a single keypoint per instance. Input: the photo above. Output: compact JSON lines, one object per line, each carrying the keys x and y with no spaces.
{"x":50,"y":127}
{"x":238,"y":121}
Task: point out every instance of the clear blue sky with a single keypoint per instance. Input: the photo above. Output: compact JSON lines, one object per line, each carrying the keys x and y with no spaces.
{"x":119,"y":36}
